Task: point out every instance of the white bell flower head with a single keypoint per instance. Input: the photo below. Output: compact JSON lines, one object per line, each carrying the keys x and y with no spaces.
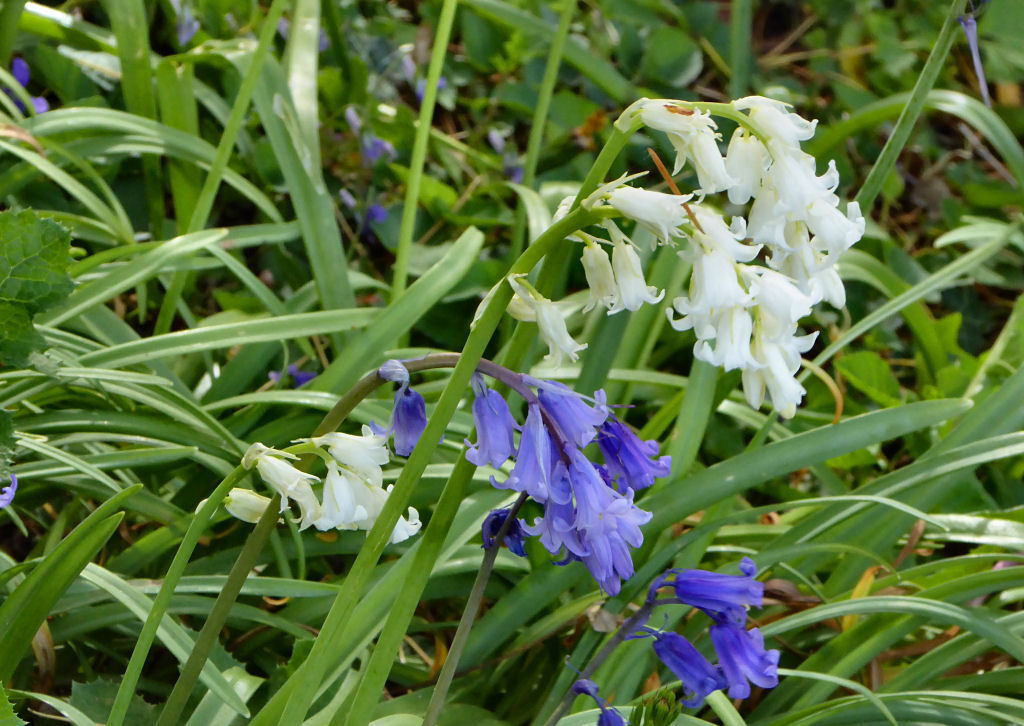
{"x":600,"y":278}
{"x":550,"y":322}
{"x":285,"y":479}
{"x":811,"y":270}
{"x":793,"y":177}
{"x":778,"y":364}
{"x":694,"y":138}
{"x":629,"y":278}
{"x":405,"y":527}
{"x":775,"y":119}
{"x":660,"y":213}
{"x":832,"y":229}
{"x":747,"y":161}
{"x":562,"y":211}
{"x":779,"y":301}
{"x":733,"y":328}
{"x":714,"y":285}
{"x":350,"y":502}
{"x":768,"y":220}
{"x":245,"y":504}
{"x":714,"y":234}
{"x":362,"y":454}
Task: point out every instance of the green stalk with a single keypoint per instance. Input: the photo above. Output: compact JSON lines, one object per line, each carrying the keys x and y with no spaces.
{"x":419,"y":148}
{"x":204,"y":204}
{"x":360,"y":710}
{"x":219,"y":614}
{"x":912,"y":111}
{"x":724,"y":709}
{"x":10,"y":11}
{"x":291,"y":703}
{"x":476,"y":595}
{"x":740,"y":31}
{"x":163,"y":598}
{"x":540,"y":117}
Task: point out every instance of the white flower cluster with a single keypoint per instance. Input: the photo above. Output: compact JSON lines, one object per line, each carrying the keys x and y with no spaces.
{"x":353,"y":491}
{"x":744,"y":315}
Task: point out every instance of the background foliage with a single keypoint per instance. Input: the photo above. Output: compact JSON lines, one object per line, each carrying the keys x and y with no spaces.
{"x":228,"y":219}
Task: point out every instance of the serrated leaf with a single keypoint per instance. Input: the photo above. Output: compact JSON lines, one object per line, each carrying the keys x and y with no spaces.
{"x":34,"y":259}
{"x":7,"y":715}
{"x":33,"y":265}
{"x":96,"y":697}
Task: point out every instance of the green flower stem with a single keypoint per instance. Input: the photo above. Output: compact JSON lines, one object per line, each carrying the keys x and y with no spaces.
{"x":476,"y":595}
{"x":641,"y":616}
{"x":10,"y":11}
{"x":724,"y":709}
{"x":204,"y":203}
{"x":291,"y":703}
{"x":254,"y":544}
{"x":163,"y":598}
{"x":540,"y":117}
{"x":912,"y":111}
{"x":740,"y":27}
{"x":359,"y":710}
{"x":419,"y":147}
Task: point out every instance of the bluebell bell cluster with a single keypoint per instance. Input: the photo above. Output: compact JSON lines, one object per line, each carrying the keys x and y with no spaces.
{"x":22,"y":74}
{"x":8,"y":492}
{"x":609,"y":716}
{"x":742,"y":657}
{"x":589,"y":514}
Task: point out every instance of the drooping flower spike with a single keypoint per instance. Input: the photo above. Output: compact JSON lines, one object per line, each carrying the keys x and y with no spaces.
{"x":409,"y":416}
{"x":699,"y":677}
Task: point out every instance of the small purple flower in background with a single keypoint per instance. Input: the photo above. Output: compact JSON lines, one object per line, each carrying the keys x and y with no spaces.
{"x":352,"y":117}
{"x":409,"y":417}
{"x":300,"y":378}
{"x":421,"y":87}
{"x":186,"y":25}
{"x":375,"y":148}
{"x":346,"y":198}
{"x":376,"y":214}
{"x":609,"y":716}
{"x":7,"y":493}
{"x":515,"y":538}
{"x":21,"y":73}
{"x":970,"y":26}
{"x":494,"y":427}
{"x":496,"y":140}
{"x":514,"y":172}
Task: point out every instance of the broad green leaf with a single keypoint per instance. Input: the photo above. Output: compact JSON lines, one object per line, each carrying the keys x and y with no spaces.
{"x":33,"y":278}
{"x":95,"y":698}
{"x":869,"y":374}
{"x":27,"y":607}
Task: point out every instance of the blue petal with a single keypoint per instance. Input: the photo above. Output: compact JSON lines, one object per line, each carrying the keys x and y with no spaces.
{"x":7,"y":493}
{"x":742,"y":655}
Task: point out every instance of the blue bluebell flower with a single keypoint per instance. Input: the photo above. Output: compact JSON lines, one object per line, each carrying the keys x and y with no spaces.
{"x":515,"y":538}
{"x":8,"y":492}
{"x":409,"y":416}
{"x":376,"y":214}
{"x":375,"y":148}
{"x":609,"y":716}
{"x":723,"y":597}
{"x":186,"y":24}
{"x":576,"y":420}
{"x":699,"y":677}
{"x":421,"y":87}
{"x":513,"y":171}
{"x":494,"y":427}
{"x":970,"y":26}
{"x":535,"y":460}
{"x":558,"y":533}
{"x":22,"y":74}
{"x":742,"y":657}
{"x":630,"y":460}
{"x":299,"y":377}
